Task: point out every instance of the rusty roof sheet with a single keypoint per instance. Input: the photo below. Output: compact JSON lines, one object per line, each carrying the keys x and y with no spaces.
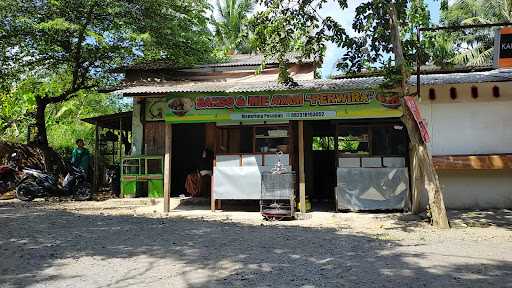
{"x":233,"y":87}
{"x":317,"y":84}
{"x":234,"y":61}
{"x":116,"y":121}
{"x":497,"y":75}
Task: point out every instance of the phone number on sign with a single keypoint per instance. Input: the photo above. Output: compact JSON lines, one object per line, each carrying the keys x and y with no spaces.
{"x":283,"y":115}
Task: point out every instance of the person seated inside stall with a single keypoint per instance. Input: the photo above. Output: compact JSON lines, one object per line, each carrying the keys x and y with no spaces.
{"x":198,"y":182}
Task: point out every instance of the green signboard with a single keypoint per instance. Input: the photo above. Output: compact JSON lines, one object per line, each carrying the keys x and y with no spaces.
{"x":299,"y":106}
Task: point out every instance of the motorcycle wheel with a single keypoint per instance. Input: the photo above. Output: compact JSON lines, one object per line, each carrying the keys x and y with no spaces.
{"x":82,"y":192}
{"x":23,"y":193}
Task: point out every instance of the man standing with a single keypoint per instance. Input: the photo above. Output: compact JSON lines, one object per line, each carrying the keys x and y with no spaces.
{"x":81,"y":157}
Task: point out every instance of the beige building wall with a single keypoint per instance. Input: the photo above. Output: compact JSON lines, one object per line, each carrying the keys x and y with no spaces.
{"x":469,"y":126}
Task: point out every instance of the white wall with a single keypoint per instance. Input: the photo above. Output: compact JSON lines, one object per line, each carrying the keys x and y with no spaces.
{"x":137,"y":129}
{"x":469,"y":128}
{"x":475,"y":189}
{"x":467,"y":125}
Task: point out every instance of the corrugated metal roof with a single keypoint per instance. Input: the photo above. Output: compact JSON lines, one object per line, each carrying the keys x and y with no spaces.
{"x":424,"y":70}
{"x":233,"y":61}
{"x":497,"y":75}
{"x":121,"y":120}
{"x":317,"y":84}
{"x":233,"y":87}
{"x":255,"y":59}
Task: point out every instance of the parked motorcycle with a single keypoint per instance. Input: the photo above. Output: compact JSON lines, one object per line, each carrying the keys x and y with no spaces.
{"x":113,"y":179}
{"x":7,"y":178}
{"x":32,"y":183}
{"x":77,"y":184}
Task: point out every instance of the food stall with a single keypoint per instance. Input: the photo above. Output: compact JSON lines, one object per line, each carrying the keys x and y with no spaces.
{"x":251,"y":129}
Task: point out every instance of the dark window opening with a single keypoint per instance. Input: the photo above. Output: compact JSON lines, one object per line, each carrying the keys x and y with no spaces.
{"x":372,"y":140}
{"x":496,"y":91}
{"x":252,"y":139}
{"x":389,"y":141}
{"x":432,"y":94}
{"x":474,"y":92}
{"x":453,"y":93}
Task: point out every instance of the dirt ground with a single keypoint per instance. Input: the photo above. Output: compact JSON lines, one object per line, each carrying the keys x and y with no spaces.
{"x":118,"y":243}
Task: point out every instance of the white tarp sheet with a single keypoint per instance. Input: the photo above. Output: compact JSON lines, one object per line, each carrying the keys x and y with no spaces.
{"x":372,"y":188}
{"x":239,"y":183}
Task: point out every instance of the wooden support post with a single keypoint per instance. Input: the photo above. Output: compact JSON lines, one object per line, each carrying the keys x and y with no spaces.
{"x":212,"y":191}
{"x":120,"y":139}
{"x":212,"y":202}
{"x":415,"y":180}
{"x":302,"y":176}
{"x":96,"y":173}
{"x":167,"y":167}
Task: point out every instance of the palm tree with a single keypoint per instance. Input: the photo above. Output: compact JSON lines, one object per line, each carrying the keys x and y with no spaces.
{"x":475,"y":47}
{"x":229,"y":26}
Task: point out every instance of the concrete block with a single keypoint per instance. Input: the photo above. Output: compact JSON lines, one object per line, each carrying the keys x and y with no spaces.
{"x":371,"y":162}
{"x":393,"y":162}
{"x":350,"y":162}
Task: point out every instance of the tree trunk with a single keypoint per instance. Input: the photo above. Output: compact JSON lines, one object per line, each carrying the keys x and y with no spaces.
{"x":428,"y":176}
{"x":41,"y":137}
{"x":420,"y":151}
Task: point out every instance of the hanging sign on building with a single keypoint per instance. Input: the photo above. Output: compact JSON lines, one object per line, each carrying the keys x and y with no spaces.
{"x":503,"y":47}
{"x":302,"y":106}
{"x":415,"y":109}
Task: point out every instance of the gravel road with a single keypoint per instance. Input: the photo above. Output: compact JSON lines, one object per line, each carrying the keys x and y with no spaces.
{"x":48,"y":244}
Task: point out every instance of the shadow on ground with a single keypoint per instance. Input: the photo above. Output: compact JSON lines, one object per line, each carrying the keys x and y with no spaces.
{"x":485,"y":218}
{"x":64,"y":249}
{"x":189,"y":204}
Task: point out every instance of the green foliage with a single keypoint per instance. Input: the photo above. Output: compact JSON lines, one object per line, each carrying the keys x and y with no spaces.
{"x":440,"y":46}
{"x":62,"y":120}
{"x":229,"y":27}
{"x":416,"y":15}
{"x":392,"y":76}
{"x":323,"y":143}
{"x":14,"y":115}
{"x":296,"y":26}
{"x":373,"y":47}
{"x":474,"y":47}
{"x":286,"y":27}
{"x":59,"y":49}
{"x":348,"y":144}
{"x":102,"y":34}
